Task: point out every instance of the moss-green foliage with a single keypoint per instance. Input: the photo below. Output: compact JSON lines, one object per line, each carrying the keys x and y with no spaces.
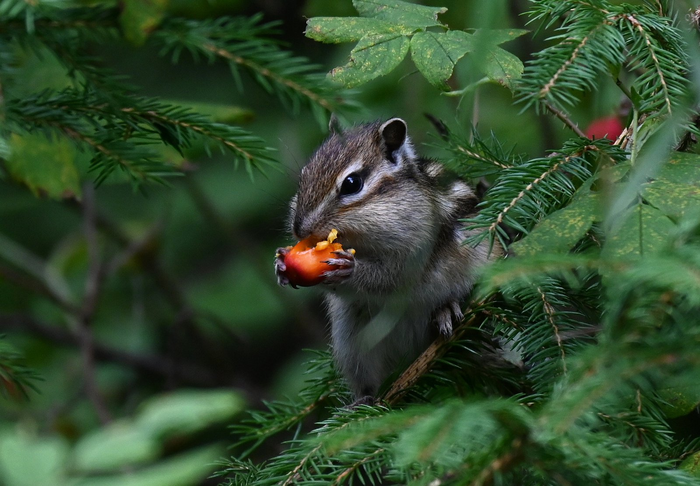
{"x":588,"y":330}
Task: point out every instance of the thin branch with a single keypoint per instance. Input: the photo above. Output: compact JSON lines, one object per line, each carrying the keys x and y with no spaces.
{"x":657,"y":65}
{"x":157,"y":366}
{"x":549,"y":310}
{"x":342,"y":476}
{"x":528,"y":188}
{"x":553,"y":80}
{"x":426,"y":360}
{"x":503,"y":462}
{"x":564,"y":117}
{"x":93,"y":284}
{"x":270,"y":74}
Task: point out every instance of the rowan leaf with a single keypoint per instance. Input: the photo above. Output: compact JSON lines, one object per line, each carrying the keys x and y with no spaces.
{"x":404,"y":13}
{"x":335,"y":30}
{"x":561,"y":230}
{"x":45,"y":166}
{"x":436,"y":54}
{"x":373,"y":56}
{"x":645,"y":230}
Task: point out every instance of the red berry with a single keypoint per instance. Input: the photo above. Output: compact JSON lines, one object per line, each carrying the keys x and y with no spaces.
{"x":609,"y":127}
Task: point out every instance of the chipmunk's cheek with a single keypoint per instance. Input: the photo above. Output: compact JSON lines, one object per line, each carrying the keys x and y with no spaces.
{"x":306,"y":261}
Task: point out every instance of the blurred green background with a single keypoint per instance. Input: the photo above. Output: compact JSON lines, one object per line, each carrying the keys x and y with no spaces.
{"x":190,"y":327}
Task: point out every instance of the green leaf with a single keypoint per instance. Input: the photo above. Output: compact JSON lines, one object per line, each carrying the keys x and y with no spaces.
{"x":436,"y":53}
{"x":681,"y":168}
{"x":676,"y":188}
{"x":560,"y":231}
{"x":27,"y":460}
{"x":691,"y":465}
{"x":681,"y":399}
{"x":645,"y":230}
{"x":45,"y":166}
{"x":671,"y":198}
{"x":404,"y":13}
{"x":183,"y":469}
{"x":503,"y":67}
{"x":496,"y":37}
{"x":141,"y":17}
{"x":373,"y":56}
{"x":348,"y":29}
{"x":115,"y":446}
{"x":188,"y":411}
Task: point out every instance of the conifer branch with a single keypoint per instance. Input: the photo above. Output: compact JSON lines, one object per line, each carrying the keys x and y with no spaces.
{"x":563,"y":117}
{"x":522,"y":194}
{"x":652,"y":53}
{"x":354,"y":467}
{"x":295,"y":86}
{"x":549,"y":311}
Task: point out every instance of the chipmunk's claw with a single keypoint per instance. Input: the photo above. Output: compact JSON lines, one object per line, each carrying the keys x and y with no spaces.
{"x":448,"y":317}
{"x":344,"y":265}
{"x":280,"y":266}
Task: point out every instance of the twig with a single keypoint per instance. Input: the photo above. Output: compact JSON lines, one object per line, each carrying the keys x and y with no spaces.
{"x":93,"y":284}
{"x":503,"y":462}
{"x":563,"y":117}
{"x":37,"y":286}
{"x":425,"y":361}
{"x":157,"y":366}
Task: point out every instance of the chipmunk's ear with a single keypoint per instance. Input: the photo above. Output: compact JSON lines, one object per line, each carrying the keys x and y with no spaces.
{"x":396,"y":142}
{"x":334,"y":125}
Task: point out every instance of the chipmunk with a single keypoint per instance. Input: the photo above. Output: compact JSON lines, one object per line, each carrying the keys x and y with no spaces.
{"x":410,"y":269}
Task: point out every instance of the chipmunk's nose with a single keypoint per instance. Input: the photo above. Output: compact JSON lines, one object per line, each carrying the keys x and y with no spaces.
{"x":300,"y":229}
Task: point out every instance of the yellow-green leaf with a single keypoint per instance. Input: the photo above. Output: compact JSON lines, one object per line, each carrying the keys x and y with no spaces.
{"x":373,"y":56}
{"x":348,"y":29}
{"x":503,"y":67}
{"x":644,"y":231}
{"x":561,"y":230}
{"x":404,"y":13}
{"x":140,"y":17}
{"x":691,"y":465}
{"x":679,"y":399}
{"x":672,"y":198}
{"x":681,"y":168}
{"x":46,"y":167}
{"x":436,"y":53}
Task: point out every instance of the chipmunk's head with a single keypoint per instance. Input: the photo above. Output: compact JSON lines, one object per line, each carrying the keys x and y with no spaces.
{"x":362,"y":182}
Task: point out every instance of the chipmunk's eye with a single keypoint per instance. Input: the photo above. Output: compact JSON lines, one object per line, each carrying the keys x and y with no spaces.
{"x":351,"y":185}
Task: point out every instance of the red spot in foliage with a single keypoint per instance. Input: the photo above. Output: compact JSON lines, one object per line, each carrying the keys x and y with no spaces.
{"x":609,"y":127}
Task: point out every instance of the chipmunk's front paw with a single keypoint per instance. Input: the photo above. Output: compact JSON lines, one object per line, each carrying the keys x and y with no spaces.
{"x":343,"y":265}
{"x":448,"y":317}
{"x":280,"y":266}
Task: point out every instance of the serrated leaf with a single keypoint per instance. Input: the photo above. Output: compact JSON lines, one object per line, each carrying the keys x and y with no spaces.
{"x":436,"y":53}
{"x":141,"y":17}
{"x":496,"y":37}
{"x":503,"y":67}
{"x":561,"y":230}
{"x":676,"y":188}
{"x":396,"y":11}
{"x":645,"y":230}
{"x":373,"y":56}
{"x":45,"y":166}
{"x":673,"y":199}
{"x":681,"y":168}
{"x":348,"y":29}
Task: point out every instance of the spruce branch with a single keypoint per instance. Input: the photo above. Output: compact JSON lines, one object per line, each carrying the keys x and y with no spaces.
{"x":247,"y":44}
{"x":549,"y":311}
